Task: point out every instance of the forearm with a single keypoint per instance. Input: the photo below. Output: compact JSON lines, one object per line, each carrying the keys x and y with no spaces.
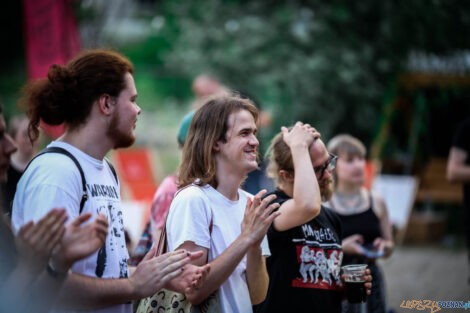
{"x":386,"y":229}
{"x":221,"y":268}
{"x":44,"y":293}
{"x":256,"y":275}
{"x":82,"y":292}
{"x":388,"y":248}
{"x":16,"y":286}
{"x":458,"y":173}
{"x":306,"y":190}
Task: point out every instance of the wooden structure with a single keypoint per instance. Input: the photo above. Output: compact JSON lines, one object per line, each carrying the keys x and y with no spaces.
{"x":435,"y":187}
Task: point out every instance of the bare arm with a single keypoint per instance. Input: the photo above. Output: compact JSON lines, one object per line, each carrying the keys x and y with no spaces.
{"x":34,"y":243}
{"x":221,"y":267}
{"x":256,"y":275}
{"x":457,"y":170}
{"x":16,"y":286}
{"x":306,"y":201}
{"x":84,"y":292}
{"x":385,"y":243}
{"x":153,"y":273}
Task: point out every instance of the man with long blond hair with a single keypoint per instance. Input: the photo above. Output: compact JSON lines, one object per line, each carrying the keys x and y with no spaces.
{"x":213,"y":215}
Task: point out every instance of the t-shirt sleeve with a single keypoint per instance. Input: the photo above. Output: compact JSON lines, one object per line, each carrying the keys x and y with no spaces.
{"x":42,"y":199}
{"x":188,"y":219}
{"x":46,"y":185}
{"x":462,"y":136}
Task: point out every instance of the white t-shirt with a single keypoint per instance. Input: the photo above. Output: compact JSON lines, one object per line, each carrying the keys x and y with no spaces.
{"x":53,"y":181}
{"x":189,"y":219}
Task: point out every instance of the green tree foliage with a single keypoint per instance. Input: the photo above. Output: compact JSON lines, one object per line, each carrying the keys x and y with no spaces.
{"x":324,"y":62}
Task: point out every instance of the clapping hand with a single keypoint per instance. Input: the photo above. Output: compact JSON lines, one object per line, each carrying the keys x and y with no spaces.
{"x":36,"y":241}
{"x":157,"y":272}
{"x":80,"y":241}
{"x":192,"y":276}
{"x":258,"y":217}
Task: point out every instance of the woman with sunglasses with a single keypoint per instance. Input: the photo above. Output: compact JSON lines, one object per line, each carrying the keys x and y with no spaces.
{"x":305,"y":239}
{"x":364,"y":216}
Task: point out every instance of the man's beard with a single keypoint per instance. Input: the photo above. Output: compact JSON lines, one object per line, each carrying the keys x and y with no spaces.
{"x":326,"y":192}
{"x":121,"y":139}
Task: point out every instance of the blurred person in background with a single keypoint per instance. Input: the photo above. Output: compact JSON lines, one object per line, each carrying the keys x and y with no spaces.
{"x":95,"y":96}
{"x":161,"y":203}
{"x":7,"y":148}
{"x":367,"y":230}
{"x":458,"y":171}
{"x":305,"y":239}
{"x":18,"y":130}
{"x":204,"y":86}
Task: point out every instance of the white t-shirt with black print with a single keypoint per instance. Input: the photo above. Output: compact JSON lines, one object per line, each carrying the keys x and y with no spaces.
{"x":53,"y":181}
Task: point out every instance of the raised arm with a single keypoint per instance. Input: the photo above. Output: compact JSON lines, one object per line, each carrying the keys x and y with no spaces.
{"x":306,"y":201}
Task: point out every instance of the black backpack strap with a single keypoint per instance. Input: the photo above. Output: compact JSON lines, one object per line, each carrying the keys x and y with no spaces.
{"x":112,"y":170}
{"x":82,"y":174}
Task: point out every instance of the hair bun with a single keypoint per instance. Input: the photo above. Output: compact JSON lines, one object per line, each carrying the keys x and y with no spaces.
{"x":61,"y":78}
{"x":63,"y":86}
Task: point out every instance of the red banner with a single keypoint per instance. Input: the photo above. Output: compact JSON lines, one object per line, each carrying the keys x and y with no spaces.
{"x":51,"y":38}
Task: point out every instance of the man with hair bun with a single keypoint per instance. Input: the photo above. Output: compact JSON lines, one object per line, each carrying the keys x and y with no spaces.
{"x":94,"y":95}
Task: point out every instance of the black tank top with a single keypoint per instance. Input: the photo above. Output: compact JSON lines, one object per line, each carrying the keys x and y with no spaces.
{"x":366,"y":224}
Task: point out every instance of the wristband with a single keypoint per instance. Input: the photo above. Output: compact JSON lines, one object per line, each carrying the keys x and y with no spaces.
{"x":54,"y":273}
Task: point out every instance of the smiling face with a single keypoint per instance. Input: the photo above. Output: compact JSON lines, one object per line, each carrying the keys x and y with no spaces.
{"x":123,"y":122}
{"x":239,"y":151}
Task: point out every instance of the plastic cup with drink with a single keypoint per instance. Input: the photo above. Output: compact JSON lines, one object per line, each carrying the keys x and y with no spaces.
{"x":356,"y":292}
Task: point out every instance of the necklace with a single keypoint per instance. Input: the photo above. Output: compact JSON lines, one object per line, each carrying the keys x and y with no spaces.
{"x":350,"y":203}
